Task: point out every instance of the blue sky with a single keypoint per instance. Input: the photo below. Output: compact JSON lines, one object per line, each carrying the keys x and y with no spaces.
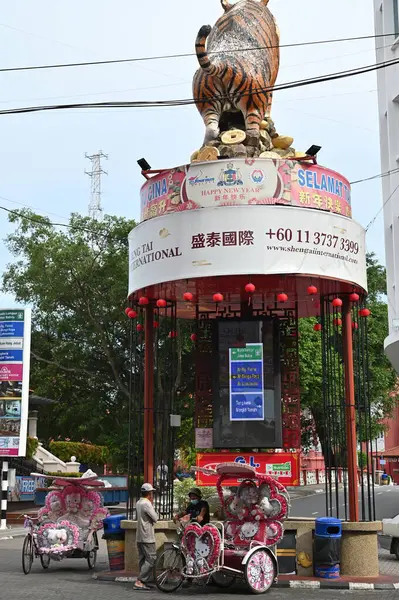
{"x":42,"y":156}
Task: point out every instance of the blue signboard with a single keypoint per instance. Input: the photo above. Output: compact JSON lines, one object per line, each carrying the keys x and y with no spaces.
{"x":11,"y":356}
{"x":10,"y":329}
{"x":247,"y":398}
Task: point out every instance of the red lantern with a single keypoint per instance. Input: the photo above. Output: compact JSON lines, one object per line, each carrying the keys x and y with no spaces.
{"x":312,"y":290}
{"x":355,"y":325}
{"x":132,"y":314}
{"x":364,"y":312}
{"x":218,"y":297}
{"x":193,"y":337}
{"x":250,"y":288}
{"x":143,"y":301}
{"x":337,"y":322}
{"x":155,"y":324}
{"x":282,"y":297}
{"x":337,"y":302}
{"x":318,"y":327}
{"x":139,"y":327}
{"x":187,"y":296}
{"x":127,"y":310}
{"x":161,"y":303}
{"x":172,"y":334}
{"x":354,"y":297}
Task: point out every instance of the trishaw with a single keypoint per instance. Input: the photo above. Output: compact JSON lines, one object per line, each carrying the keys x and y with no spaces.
{"x":241,"y":547}
{"x":66,"y":527}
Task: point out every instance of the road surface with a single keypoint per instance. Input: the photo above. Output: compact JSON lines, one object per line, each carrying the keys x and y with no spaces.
{"x":386,"y":499}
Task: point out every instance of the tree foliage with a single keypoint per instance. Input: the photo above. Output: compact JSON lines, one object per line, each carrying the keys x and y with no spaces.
{"x":75,"y":279}
{"x":381,"y":376}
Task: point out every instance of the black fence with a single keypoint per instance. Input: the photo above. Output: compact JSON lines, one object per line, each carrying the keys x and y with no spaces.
{"x":334,"y":434}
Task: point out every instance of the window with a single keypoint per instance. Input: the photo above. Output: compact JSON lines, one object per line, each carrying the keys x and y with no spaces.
{"x":396,"y":16}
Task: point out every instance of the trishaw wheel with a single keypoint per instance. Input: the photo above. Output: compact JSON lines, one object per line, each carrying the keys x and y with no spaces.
{"x":27,"y":554}
{"x":222,"y":579}
{"x":169,"y":570}
{"x":45,"y":560}
{"x":260,"y":571}
{"x":92,"y":559}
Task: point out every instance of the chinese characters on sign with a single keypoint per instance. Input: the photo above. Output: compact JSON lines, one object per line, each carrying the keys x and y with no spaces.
{"x":241,"y":182}
{"x":247,"y":398}
{"x":14,"y":380}
{"x":226,"y":238}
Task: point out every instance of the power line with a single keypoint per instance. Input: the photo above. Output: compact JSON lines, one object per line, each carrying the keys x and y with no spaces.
{"x":379,"y":176}
{"x":189,"y":54}
{"x":382,"y":208}
{"x":188,"y":101}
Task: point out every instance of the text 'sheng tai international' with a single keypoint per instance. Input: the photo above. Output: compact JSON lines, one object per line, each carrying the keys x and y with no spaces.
{"x":231,"y":251}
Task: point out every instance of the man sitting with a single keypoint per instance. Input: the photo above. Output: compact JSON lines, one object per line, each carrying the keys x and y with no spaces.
{"x":197,"y":510}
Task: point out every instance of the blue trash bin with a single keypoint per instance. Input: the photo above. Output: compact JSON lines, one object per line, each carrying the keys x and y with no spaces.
{"x":327,"y":547}
{"x":115,"y":538}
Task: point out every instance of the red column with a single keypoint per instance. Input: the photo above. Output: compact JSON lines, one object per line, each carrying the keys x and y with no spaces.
{"x":149,"y":396}
{"x":350,"y":412}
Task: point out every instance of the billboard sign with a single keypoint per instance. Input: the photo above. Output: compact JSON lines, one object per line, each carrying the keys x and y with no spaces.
{"x":214,"y":242}
{"x":233,"y":182}
{"x":15,"y":331}
{"x":284,"y":466}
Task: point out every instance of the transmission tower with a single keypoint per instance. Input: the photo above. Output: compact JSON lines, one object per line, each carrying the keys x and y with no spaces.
{"x":95,"y":208}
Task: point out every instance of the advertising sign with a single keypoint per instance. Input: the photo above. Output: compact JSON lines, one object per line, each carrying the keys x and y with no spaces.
{"x":233,"y":182}
{"x":15,"y":327}
{"x":284,"y":466}
{"x":247,"y":398}
{"x":226,"y":241}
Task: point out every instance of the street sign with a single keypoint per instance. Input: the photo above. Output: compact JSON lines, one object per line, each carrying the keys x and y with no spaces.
{"x":247,"y":398}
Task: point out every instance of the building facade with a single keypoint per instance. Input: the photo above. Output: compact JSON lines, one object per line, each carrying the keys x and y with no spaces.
{"x":386,"y":14}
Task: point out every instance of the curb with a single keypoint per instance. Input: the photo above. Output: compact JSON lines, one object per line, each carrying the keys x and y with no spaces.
{"x":12,"y":537}
{"x":336,"y":585}
{"x":293,"y":584}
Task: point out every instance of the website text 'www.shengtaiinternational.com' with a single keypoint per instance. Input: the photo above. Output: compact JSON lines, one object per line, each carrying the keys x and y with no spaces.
{"x":313,"y":251}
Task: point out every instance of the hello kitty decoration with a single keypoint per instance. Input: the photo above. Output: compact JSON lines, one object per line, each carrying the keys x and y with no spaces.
{"x":254,"y":514}
{"x":53,"y":508}
{"x":68,"y":517}
{"x":57,"y":538}
{"x":203,"y":545}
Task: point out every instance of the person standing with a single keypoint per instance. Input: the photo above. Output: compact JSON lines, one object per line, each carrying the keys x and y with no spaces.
{"x":145,"y":537}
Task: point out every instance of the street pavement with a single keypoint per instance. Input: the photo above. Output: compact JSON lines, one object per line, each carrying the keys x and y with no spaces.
{"x":71,"y":579}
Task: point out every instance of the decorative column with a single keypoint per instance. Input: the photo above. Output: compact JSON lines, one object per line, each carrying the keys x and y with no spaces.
{"x":350,"y":412}
{"x":149,"y":396}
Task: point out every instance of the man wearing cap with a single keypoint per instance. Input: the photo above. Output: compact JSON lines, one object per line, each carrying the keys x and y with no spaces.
{"x":145,"y":537}
{"x":197,"y":510}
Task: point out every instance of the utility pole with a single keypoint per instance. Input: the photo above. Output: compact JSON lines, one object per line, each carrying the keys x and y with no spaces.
{"x":95,"y":208}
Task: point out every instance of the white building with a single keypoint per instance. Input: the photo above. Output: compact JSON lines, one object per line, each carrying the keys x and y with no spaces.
{"x":386,"y":14}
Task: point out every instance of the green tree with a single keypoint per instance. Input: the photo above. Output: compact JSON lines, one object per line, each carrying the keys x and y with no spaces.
{"x":381,"y":376}
{"x":75,"y":279}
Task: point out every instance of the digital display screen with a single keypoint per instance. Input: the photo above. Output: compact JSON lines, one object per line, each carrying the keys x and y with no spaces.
{"x":246,"y":384}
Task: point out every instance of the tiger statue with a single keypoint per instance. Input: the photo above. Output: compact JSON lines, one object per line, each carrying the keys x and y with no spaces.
{"x":239,"y":59}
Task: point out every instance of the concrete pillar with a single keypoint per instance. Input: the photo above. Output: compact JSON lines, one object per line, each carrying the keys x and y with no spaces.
{"x":32,"y":423}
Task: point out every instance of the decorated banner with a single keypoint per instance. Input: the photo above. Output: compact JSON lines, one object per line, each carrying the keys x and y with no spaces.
{"x":214,"y":242}
{"x":247,"y":398}
{"x":15,"y":328}
{"x":232,"y":182}
{"x":284,"y":466}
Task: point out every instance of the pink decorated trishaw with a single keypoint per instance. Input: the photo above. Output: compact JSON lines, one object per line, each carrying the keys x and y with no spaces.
{"x":67,"y":526}
{"x":240,"y":547}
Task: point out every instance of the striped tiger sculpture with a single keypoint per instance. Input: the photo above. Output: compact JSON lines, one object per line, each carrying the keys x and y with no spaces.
{"x":239,"y":59}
